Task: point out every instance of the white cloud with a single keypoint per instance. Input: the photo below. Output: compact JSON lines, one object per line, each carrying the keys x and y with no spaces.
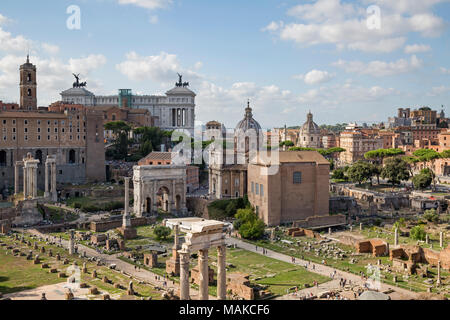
{"x":153,"y":19}
{"x":4,"y":20}
{"x":198,"y":65}
{"x":147,"y":4}
{"x":380,"y":68}
{"x":445,"y":70}
{"x":50,"y":48}
{"x":438,"y":91}
{"x":9,"y":43}
{"x":54,"y":75}
{"x":417,"y":48}
{"x":315,"y":77}
{"x":345,"y":26}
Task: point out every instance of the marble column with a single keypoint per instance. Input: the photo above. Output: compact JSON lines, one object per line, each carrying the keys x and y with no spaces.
{"x":34,"y":179}
{"x":219,"y":188}
{"x":203,"y":274}
{"x":221,"y":273}
{"x":210,"y":181}
{"x":396,"y":237}
{"x":16,"y":179}
{"x":427,"y":239}
{"x":360,"y":227}
{"x":53,"y":182}
{"x":438,"y":281}
{"x":126,"y":214}
{"x":25,"y":183}
{"x":184,"y":275}
{"x":47,"y":193}
{"x":441,"y":239}
{"x":71,"y":243}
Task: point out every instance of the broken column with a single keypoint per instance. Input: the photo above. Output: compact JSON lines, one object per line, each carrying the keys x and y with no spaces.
{"x":427,"y":239}
{"x":396,"y":237}
{"x":438,"y":281}
{"x":46,"y":173}
{"x":173,"y":265}
{"x":204,"y":274}
{"x":184,"y":275}
{"x":221,"y":273}
{"x":441,"y":239}
{"x":53,"y":191}
{"x":360,"y":227}
{"x":127,"y":230}
{"x":71,"y":243}
{"x":126,"y":216}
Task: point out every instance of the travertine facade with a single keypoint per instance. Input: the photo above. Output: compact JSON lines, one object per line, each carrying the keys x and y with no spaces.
{"x":159,"y":187}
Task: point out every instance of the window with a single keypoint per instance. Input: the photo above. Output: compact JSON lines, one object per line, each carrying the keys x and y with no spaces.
{"x":262,"y":190}
{"x":257,"y":189}
{"x":297,"y":177}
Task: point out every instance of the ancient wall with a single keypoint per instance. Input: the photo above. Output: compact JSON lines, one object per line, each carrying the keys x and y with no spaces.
{"x":195,"y":276}
{"x":239,"y":285}
{"x":376,"y":247}
{"x":103,"y":226}
{"x":343,"y":204}
{"x":321,"y":221}
{"x":198,"y":207}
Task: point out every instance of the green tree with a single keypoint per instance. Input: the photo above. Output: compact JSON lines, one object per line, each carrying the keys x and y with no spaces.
{"x":360,"y":172}
{"x":431,"y":215}
{"x":121,"y":130}
{"x":428,"y":158}
{"x":423,"y":180}
{"x":339,"y":174}
{"x":395,"y":170}
{"x":248,"y":224}
{"x":418,"y":233}
{"x":162,"y":233}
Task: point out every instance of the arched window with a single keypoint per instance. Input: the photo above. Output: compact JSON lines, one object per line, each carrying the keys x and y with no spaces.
{"x":29,"y":92}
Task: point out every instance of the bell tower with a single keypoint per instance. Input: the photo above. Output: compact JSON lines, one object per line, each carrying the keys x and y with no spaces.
{"x":28,"y":86}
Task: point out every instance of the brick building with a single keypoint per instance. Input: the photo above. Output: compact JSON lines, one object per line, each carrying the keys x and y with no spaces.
{"x":357,"y":142}
{"x":298,"y":190}
{"x":75,"y":137}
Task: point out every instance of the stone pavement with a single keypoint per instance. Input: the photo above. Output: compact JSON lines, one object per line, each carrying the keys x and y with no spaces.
{"x":399,"y":293}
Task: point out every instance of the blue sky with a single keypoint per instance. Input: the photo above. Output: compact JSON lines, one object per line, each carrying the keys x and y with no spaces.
{"x":288,"y":57}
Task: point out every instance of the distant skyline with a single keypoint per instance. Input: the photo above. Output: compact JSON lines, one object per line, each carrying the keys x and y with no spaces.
{"x":287,"y":57}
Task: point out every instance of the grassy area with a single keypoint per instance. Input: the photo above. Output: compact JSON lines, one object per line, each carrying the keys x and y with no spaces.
{"x":19,"y":274}
{"x":59,"y":215}
{"x":415,"y":282}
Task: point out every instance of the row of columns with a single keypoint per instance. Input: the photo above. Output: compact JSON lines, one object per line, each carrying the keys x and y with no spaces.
{"x":30,"y":183}
{"x":203,"y":273}
{"x":30,"y":166}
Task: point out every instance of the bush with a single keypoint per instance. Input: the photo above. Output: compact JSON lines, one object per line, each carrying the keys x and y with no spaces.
{"x":339,"y":174}
{"x":249,"y":225}
{"x":431,"y":215}
{"x":222,"y":209}
{"x":162,"y":233}
{"x":418,"y":233}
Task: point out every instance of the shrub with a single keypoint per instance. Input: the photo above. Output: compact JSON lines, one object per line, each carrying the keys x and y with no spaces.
{"x":162,"y":233}
{"x":249,"y":225}
{"x":418,"y":233}
{"x":431,"y":215}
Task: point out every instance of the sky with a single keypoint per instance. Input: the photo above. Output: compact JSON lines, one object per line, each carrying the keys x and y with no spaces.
{"x":345,"y":61}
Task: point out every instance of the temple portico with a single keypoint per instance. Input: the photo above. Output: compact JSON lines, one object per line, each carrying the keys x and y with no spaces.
{"x":201,"y":236}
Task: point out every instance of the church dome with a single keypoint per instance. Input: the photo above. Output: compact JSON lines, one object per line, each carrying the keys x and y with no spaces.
{"x":309,"y":127}
{"x":248,"y":122}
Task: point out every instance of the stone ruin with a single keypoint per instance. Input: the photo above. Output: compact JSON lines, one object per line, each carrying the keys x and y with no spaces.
{"x":376,"y":247}
{"x":201,"y":236}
